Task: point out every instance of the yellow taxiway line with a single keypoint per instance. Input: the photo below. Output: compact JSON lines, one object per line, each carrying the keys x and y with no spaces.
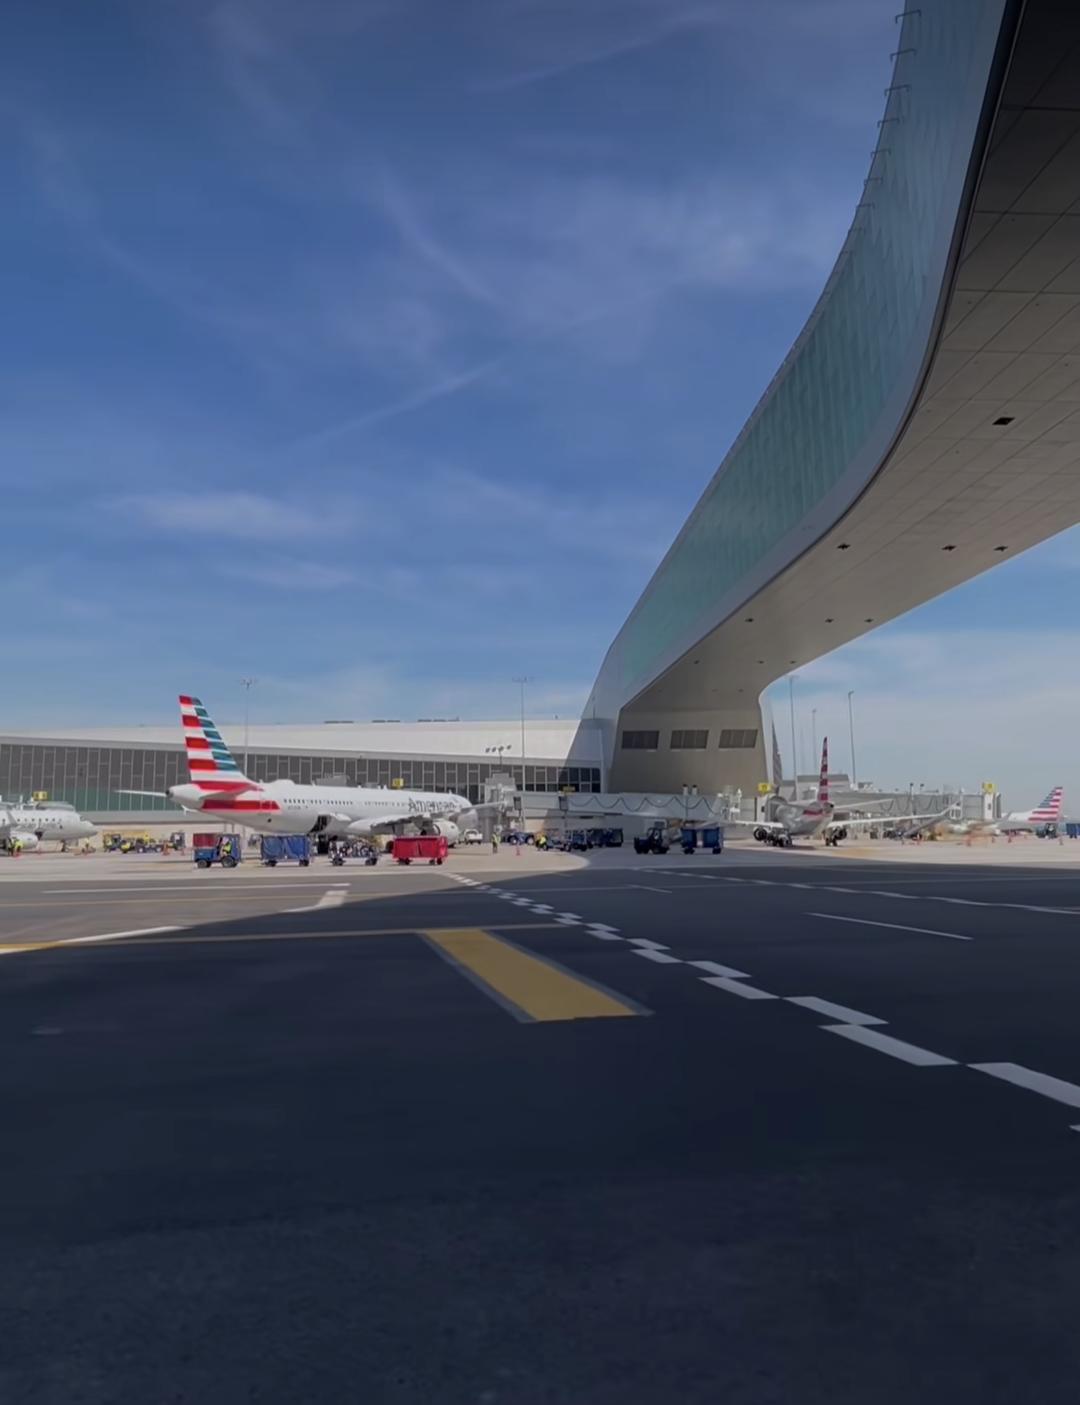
{"x":529,"y":986}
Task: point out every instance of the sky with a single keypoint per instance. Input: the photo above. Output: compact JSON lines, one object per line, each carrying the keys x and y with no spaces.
{"x":377,"y":350}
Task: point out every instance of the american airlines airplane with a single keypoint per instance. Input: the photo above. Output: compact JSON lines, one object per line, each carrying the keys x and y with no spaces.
{"x":29,"y":824}
{"x":219,"y":789}
{"x":1049,"y":812}
{"x":821,"y":816}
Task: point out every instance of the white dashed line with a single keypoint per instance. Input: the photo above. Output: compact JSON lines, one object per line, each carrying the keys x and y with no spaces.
{"x":885,"y":1044}
{"x":662,"y":956}
{"x":1055,"y":1088}
{"x":568,"y":919}
{"x":748,"y":992}
{"x":715,"y":969}
{"x":649,"y":945}
{"x":831,"y":1011}
{"x":542,"y":907}
{"x":893,"y":926}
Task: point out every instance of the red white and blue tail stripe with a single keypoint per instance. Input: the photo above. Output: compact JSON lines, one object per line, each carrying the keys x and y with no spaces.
{"x":209,"y":759}
{"x":1050,"y":809}
{"x":213,"y":770}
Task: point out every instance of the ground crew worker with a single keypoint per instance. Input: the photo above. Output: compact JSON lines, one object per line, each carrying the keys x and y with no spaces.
{"x":16,"y":848}
{"x":494,"y":841}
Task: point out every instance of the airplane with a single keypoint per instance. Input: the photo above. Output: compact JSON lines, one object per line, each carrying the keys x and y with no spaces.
{"x":218,"y":789}
{"x":821,"y":817}
{"x":1048,"y":812}
{"x":30,"y":823}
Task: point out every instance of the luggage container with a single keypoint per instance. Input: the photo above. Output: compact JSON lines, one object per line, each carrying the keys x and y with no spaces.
{"x":432,"y":847}
{"x":283,"y":848}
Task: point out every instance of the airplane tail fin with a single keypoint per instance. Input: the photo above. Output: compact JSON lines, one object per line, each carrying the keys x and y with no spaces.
{"x":823,"y":779}
{"x":1050,"y":809}
{"x":209,"y":760}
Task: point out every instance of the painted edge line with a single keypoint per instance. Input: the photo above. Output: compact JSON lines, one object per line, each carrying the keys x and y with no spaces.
{"x":842,"y":1013}
{"x":714,"y":968}
{"x":1056,"y":1088}
{"x":748,"y":992}
{"x":885,"y":1044}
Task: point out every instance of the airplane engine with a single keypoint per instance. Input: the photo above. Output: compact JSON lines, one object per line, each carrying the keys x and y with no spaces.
{"x":447,"y":828}
{"x":360,"y":829}
{"x":27,"y":838}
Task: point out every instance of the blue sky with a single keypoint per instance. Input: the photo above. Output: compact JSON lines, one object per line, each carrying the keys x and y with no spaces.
{"x":449,"y":310}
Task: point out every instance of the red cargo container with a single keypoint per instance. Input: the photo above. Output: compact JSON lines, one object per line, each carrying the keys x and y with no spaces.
{"x":432,"y":847}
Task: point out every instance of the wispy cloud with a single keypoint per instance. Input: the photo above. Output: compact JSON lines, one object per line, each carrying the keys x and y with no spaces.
{"x":393,"y":409}
{"x":633,"y":27}
{"x":207,"y":512}
{"x":418,"y":236}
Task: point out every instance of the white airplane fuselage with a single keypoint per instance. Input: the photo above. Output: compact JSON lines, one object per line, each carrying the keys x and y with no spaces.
{"x":284,"y":807}
{"x":32,"y":823}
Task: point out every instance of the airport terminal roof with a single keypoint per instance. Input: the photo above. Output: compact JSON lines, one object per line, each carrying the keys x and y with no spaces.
{"x":546,"y":739}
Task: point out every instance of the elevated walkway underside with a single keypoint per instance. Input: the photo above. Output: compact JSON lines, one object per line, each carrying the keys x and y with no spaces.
{"x":987,"y":463}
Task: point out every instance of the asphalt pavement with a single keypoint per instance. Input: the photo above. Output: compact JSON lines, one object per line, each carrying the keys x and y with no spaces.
{"x":749,"y":1128}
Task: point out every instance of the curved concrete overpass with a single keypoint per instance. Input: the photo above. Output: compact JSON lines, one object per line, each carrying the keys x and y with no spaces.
{"x":925,"y":425}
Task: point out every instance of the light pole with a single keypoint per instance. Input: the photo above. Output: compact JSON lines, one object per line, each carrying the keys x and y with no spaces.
{"x":247,"y":684}
{"x":521,"y":684}
{"x":794,"y":752}
{"x":813,"y":735}
{"x":851,"y":730}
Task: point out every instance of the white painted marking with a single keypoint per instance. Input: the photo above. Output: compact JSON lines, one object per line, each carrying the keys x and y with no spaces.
{"x":829,"y":889}
{"x":645,"y":942}
{"x":646,"y":888}
{"x":113,"y":936}
{"x":523,"y":902}
{"x":748,"y":992}
{"x":833,"y":1012}
{"x":715,"y":969}
{"x":663,"y":956}
{"x":894,"y":926}
{"x":569,"y":919}
{"x":602,"y":927}
{"x":801,"y":885}
{"x":605,"y":936}
{"x":884,"y":1044}
{"x":764,"y":882}
{"x":908,"y":897}
{"x":542,"y":907}
{"x":1055,"y":1088}
{"x":333,"y":897}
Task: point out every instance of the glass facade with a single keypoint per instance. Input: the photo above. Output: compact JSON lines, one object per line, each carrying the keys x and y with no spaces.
{"x":92,"y":777}
{"x":835,"y":396}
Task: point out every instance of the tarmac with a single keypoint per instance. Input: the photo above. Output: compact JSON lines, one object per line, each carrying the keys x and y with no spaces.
{"x":761,"y":1127}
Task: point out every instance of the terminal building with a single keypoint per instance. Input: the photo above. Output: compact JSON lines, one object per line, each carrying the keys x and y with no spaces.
{"x":924,"y":427}
{"x":90,"y":768}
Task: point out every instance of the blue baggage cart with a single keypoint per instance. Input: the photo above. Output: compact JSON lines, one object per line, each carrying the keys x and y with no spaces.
{"x":283,"y":848}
